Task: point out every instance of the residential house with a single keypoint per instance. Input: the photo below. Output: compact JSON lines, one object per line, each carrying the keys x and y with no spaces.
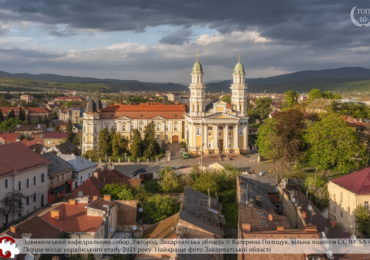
{"x":51,"y":139}
{"x":26,"y":98}
{"x":93,"y":186}
{"x":7,"y":138}
{"x":30,"y":130}
{"x":199,"y":217}
{"x":70,"y":114}
{"x":60,"y":177}
{"x":320,"y":105}
{"x":346,"y":194}
{"x":82,"y":168}
{"x":25,"y":171}
{"x":260,"y":216}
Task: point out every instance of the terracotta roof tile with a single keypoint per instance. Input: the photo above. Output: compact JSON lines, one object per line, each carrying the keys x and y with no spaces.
{"x":74,"y":218}
{"x":55,"y":135}
{"x":164,"y":229}
{"x":357,"y":182}
{"x":144,"y":111}
{"x":32,"y":225}
{"x":17,"y":157}
{"x":9,"y":137}
{"x":37,"y":110}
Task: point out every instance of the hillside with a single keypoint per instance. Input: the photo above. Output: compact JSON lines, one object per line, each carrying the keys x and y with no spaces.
{"x":347,"y":79}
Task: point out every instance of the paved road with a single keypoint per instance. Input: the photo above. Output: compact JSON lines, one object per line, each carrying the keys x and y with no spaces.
{"x":243,"y":163}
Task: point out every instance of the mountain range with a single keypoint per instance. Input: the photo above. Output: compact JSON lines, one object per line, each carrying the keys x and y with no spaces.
{"x":345,"y":79}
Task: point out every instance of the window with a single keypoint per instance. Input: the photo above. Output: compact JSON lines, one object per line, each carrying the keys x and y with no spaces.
{"x":366,"y":205}
{"x":19,"y":185}
{"x":27,"y":200}
{"x":80,"y":179}
{"x":42,"y":177}
{"x":341,"y":214}
{"x":124,"y":127}
{"x":28,"y":183}
{"x":6,"y":184}
{"x":34,"y":180}
{"x":198,"y":130}
{"x":34,"y":197}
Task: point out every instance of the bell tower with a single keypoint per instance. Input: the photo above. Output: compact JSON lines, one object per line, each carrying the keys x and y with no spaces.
{"x":197,"y":90}
{"x":238,"y":90}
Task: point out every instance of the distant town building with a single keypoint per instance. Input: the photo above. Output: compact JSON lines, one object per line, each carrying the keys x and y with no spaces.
{"x":51,"y":139}
{"x":7,"y":138}
{"x":32,"y":114}
{"x":22,"y":170}
{"x":26,"y":98}
{"x":346,"y":194}
{"x":173,"y":97}
{"x":67,"y":99}
{"x":70,"y":114}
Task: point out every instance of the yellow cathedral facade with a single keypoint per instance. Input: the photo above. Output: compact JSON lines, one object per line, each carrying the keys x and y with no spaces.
{"x":213,"y":128}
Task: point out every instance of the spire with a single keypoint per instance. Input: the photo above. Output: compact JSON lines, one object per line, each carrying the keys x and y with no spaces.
{"x":197,"y":67}
{"x":239,"y":68}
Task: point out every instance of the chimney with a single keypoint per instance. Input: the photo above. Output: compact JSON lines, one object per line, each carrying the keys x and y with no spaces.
{"x":107,"y":197}
{"x":95,"y":198}
{"x":96,"y":175}
{"x":271,"y":217}
{"x":13,"y":229}
{"x":55,"y":214}
{"x":72,"y":202}
{"x":280,"y":228}
{"x":310,"y":228}
{"x":246,"y":227}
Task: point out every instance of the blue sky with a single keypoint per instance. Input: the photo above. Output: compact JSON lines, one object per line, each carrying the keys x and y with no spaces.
{"x":158,"y":40}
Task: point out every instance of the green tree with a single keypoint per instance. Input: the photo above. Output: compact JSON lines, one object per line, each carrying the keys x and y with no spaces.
{"x":118,"y":191}
{"x":152,"y":186}
{"x":119,"y":145}
{"x":150,"y":144}
{"x":362,"y":216}
{"x":11,"y":114}
{"x":262,"y":108}
{"x":105,"y":145}
{"x":92,"y":155}
{"x":226,"y":99}
{"x":70,"y":131}
{"x":1,"y":116}
{"x":21,"y":115}
{"x":170,"y":182}
{"x":159,"y":207}
{"x":334,"y":145}
{"x":11,"y":204}
{"x":136,"y":145}
{"x":291,"y":98}
{"x":281,"y":138}
{"x":359,"y":111}
{"x":316,"y":93}
{"x":9,"y":125}
{"x":207,"y":181}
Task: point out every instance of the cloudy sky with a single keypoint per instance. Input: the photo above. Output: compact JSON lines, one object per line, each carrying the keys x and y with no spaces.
{"x":157,"y":40}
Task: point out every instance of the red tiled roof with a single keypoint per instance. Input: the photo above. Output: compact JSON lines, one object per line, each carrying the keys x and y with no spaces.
{"x":144,"y":111}
{"x":9,"y":137}
{"x":358,"y":182}
{"x":74,"y":218}
{"x":17,"y":157}
{"x":92,"y":186}
{"x":6,"y":110}
{"x":55,"y":135}
{"x":37,"y":110}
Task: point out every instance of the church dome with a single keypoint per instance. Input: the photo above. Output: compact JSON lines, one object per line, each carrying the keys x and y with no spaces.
{"x":239,"y":69}
{"x":197,"y":68}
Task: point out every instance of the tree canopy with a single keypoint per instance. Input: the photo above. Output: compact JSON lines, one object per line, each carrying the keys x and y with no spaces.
{"x":170,"y":182}
{"x":118,"y":191}
{"x":334,"y":145}
{"x":159,"y":207}
{"x":291,"y":98}
{"x":261,"y":109}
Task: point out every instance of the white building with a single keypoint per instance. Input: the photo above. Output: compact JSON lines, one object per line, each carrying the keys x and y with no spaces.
{"x":24,"y":171}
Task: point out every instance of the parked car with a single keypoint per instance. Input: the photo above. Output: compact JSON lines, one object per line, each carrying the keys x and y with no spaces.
{"x":140,"y":170}
{"x":185,"y":155}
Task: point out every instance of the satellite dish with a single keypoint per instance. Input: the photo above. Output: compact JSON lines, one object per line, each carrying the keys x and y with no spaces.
{"x":80,"y":194}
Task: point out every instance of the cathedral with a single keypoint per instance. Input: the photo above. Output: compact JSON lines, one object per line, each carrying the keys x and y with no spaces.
{"x":212,"y":128}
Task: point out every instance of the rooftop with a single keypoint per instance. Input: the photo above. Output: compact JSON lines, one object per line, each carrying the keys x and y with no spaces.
{"x":55,"y":135}
{"x":56,"y":164}
{"x":78,"y":163}
{"x":357,"y":182}
{"x":16,"y":157}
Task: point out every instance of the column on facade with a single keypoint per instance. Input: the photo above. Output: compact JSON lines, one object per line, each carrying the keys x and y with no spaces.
{"x":215,"y":139}
{"x":226,"y":139}
{"x":205,"y":139}
{"x":236,"y":139}
{"x":245,"y":138}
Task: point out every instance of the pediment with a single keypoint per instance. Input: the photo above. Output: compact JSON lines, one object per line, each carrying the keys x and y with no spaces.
{"x":222,"y":116}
